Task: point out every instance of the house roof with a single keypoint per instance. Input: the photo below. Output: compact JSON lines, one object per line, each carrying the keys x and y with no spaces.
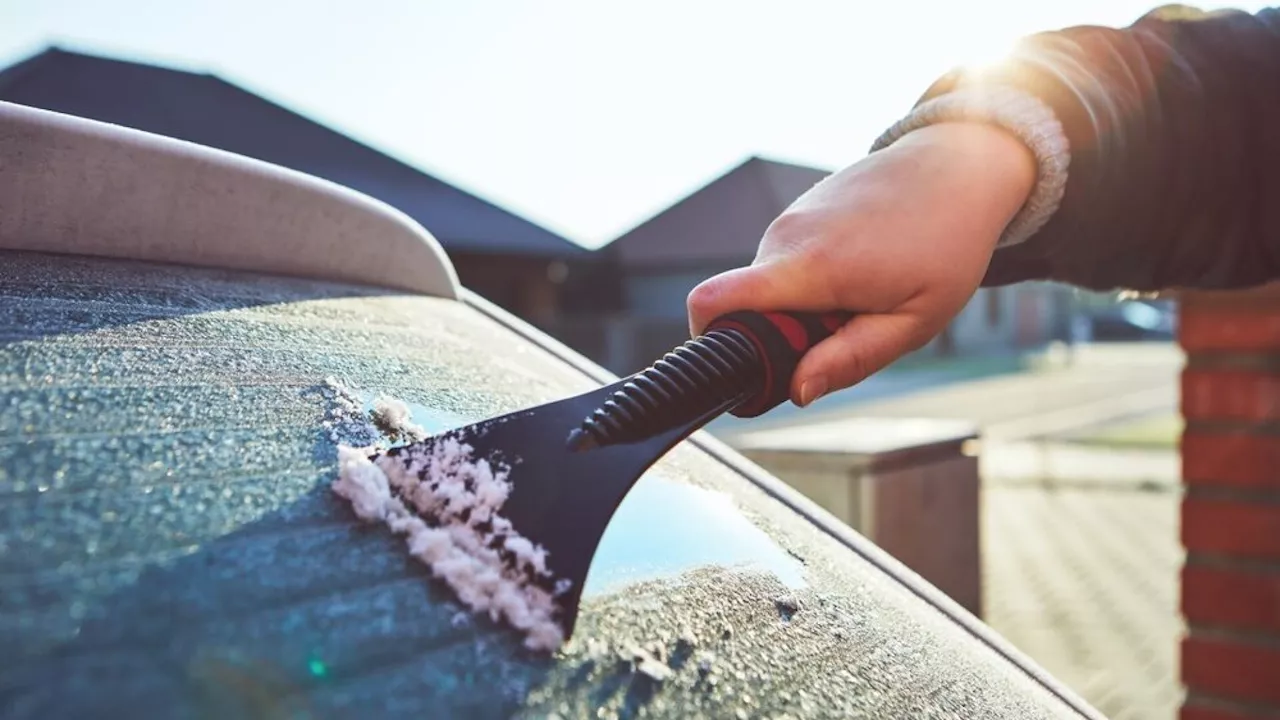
{"x":208,"y":110}
{"x":721,"y":222}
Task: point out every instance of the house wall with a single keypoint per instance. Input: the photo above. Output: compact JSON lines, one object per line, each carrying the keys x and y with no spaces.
{"x":1010,"y":318}
{"x":620,"y":342}
{"x":985,"y":324}
{"x":527,"y":287}
{"x":995,"y":320}
{"x":650,"y":318}
{"x":663,"y":294}
{"x":656,"y":315}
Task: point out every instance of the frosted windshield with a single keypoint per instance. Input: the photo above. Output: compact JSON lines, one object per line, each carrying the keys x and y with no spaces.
{"x":168,"y":538}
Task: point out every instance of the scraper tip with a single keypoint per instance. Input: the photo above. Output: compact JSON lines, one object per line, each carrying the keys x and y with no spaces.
{"x":580,"y":440}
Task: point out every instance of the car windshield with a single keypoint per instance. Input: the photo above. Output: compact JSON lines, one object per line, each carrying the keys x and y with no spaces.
{"x":170,"y":545}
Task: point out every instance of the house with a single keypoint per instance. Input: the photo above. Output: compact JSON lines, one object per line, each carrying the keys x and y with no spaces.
{"x":716,"y":228}
{"x":719,"y":226}
{"x":501,"y":256}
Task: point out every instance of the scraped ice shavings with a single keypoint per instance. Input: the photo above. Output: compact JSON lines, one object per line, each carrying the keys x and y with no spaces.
{"x":393,"y":416}
{"x":446,"y":502}
{"x":349,"y":424}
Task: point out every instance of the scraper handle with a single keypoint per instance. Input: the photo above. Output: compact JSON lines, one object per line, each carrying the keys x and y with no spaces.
{"x":780,"y":340}
{"x":743,"y":354}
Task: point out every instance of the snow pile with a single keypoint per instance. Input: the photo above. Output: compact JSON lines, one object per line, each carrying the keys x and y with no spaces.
{"x":446,"y":503}
{"x":392,"y":415}
{"x":347,"y":422}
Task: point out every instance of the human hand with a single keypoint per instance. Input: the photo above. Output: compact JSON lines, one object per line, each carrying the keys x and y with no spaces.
{"x":902,"y":237}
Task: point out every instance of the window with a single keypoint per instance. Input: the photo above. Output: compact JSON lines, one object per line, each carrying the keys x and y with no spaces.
{"x":173,"y":547}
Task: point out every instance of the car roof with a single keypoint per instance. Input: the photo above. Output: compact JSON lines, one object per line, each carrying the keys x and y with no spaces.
{"x":98,"y":189}
{"x":170,"y":540}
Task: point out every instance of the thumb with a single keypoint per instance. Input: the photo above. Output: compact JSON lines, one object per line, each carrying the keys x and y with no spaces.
{"x":765,"y":286}
{"x":863,"y":346}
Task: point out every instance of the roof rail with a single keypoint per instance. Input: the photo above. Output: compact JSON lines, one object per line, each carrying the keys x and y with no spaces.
{"x":71,"y":185}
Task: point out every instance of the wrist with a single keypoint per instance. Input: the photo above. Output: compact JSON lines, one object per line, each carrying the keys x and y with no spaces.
{"x":1011,"y":118}
{"x":991,"y":166}
{"x":989,"y":156}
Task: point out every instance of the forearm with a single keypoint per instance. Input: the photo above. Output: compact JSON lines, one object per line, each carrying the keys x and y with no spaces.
{"x":1173,"y":130}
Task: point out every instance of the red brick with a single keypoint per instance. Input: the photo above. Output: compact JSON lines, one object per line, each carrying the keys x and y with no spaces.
{"x":1263,"y":299}
{"x":1238,"y":460}
{"x":1198,"y":710}
{"x":1230,"y":668}
{"x":1244,"y":599}
{"x":1231,"y":527}
{"x":1256,"y":330}
{"x":1241,"y":395}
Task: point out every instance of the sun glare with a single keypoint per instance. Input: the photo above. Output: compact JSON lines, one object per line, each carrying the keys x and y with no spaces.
{"x":984,"y":53}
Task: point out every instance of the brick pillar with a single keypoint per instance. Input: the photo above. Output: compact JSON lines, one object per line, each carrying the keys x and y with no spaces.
{"x":1231,"y":509}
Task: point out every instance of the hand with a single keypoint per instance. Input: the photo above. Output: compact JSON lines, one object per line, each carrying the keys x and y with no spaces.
{"x":902,"y":237}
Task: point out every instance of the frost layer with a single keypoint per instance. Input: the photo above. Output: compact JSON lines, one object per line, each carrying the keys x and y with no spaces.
{"x":446,"y":503}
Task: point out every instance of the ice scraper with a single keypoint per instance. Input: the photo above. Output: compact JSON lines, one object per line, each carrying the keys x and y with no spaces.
{"x":571,"y":462}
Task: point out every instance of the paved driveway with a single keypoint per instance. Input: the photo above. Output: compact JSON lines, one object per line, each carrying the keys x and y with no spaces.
{"x":1080,"y":544}
{"x":1084,"y":580}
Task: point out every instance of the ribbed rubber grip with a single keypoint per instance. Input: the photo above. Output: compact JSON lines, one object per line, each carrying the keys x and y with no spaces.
{"x":780,"y":340}
{"x":747,"y":355}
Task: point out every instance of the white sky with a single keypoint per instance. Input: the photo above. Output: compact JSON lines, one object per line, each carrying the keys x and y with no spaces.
{"x":585,"y":116}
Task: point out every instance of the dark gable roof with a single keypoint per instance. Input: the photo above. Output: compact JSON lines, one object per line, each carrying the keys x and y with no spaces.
{"x":721,"y":222}
{"x":207,"y":110}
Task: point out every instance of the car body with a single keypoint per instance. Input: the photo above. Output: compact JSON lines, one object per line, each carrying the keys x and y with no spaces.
{"x":1129,"y":321}
{"x":170,"y":546}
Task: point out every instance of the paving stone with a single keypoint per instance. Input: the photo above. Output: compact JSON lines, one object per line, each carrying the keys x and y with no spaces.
{"x":1085,"y":582}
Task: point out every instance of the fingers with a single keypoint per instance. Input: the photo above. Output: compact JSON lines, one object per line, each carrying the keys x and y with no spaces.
{"x":772,"y":285}
{"x":865,"y":345}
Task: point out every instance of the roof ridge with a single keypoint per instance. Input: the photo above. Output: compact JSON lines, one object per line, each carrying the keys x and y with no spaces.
{"x":723,"y":220}
{"x":9,"y":76}
{"x":164,"y":65}
{"x":366,"y":145}
{"x":779,"y":197}
{"x":682,"y":199}
{"x":358,"y":141}
{"x":774,"y":200}
{"x":538,"y":238}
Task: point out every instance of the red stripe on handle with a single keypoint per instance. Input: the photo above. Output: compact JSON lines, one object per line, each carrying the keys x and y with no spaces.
{"x":780,"y":339}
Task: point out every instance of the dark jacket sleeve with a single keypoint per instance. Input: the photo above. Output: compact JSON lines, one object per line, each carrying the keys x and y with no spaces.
{"x":1174,"y":126}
